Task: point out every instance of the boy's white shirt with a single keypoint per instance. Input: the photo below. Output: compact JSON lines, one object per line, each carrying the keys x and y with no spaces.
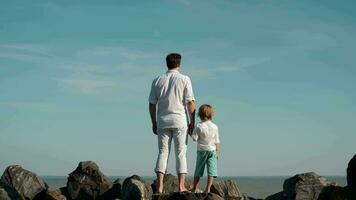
{"x":207,"y":136}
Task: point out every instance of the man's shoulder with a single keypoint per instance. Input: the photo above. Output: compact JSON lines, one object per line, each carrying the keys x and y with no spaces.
{"x":183,"y":77}
{"x":158,"y":77}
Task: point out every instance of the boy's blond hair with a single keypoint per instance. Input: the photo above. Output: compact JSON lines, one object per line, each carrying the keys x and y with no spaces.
{"x":206,"y":112}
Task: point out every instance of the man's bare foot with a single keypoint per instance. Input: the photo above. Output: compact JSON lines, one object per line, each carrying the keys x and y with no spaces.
{"x":195,"y":190}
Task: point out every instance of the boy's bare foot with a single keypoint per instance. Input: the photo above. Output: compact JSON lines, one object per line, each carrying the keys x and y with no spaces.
{"x":183,"y":190}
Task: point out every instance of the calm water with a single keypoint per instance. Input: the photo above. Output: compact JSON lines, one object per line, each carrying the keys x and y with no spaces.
{"x":258,"y":187}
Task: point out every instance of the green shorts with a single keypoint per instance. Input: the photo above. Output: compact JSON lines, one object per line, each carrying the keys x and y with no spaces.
{"x":208,"y":158}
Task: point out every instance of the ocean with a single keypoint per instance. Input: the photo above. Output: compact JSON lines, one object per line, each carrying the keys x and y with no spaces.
{"x":254,"y":186}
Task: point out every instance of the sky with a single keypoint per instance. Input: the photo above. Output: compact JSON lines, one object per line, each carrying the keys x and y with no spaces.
{"x":75,"y":78}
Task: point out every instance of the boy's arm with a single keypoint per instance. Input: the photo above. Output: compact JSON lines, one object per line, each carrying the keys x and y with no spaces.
{"x":218,"y":149}
{"x":217,"y":142}
{"x":152,"y":109}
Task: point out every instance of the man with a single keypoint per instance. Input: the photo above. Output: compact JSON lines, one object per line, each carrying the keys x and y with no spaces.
{"x":172,"y":95}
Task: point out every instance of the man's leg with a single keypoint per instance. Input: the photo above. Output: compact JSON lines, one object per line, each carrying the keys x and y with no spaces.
{"x":160,"y":177}
{"x":164,"y":146}
{"x":180,"y":143}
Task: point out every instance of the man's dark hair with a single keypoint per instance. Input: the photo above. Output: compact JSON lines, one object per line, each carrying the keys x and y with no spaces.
{"x":173,"y":60}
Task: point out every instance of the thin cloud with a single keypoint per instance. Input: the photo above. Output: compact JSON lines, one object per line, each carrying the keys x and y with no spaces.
{"x":88,"y":87}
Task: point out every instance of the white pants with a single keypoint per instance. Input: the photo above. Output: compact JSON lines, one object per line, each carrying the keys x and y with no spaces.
{"x":165,"y":136}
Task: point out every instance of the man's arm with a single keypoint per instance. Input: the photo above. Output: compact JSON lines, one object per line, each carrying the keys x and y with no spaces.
{"x":191,"y":111}
{"x":152,"y":109}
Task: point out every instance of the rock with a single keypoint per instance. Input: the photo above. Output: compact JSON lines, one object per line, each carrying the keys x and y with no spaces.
{"x":51,"y":194}
{"x":351,"y":172}
{"x":114,"y":192}
{"x":9,"y":193}
{"x":305,"y":186}
{"x":277,"y":196}
{"x":338,"y":193}
{"x":187,"y":196}
{"x":170,"y":184}
{"x":87,"y":182}
{"x":135,"y":188}
{"x":226,"y":189}
{"x":26,"y":183}
{"x":342,"y":193}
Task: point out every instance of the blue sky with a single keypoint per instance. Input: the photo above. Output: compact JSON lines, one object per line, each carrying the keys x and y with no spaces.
{"x":75,"y":78}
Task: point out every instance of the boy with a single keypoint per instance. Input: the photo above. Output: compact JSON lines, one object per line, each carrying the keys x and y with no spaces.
{"x":208,"y":143}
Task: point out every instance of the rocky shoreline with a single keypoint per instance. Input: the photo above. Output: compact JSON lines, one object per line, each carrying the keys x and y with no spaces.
{"x":87,"y":182}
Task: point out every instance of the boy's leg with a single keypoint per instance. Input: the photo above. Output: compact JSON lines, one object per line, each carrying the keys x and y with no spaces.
{"x":212,"y":163}
{"x":180,"y":143}
{"x":164,"y":147}
{"x":199,"y":169}
{"x":209,"y":183}
{"x":195,"y":184}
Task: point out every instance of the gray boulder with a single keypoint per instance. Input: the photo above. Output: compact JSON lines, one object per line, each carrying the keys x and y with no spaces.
{"x":87,"y":182}
{"x":135,"y":188}
{"x":226,"y":189}
{"x":9,"y":193}
{"x":305,"y":186}
{"x":170,"y":184}
{"x":26,"y":183}
{"x":187,"y":196}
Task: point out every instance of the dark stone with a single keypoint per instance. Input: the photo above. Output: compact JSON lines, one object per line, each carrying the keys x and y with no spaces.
{"x":135,"y":188}
{"x":187,"y":196}
{"x":114,"y":192}
{"x":87,"y":182}
{"x":26,"y":183}
{"x":351,"y":172}
{"x":170,"y":184}
{"x":338,"y":193}
{"x":277,"y":196}
{"x":9,"y":193}
{"x":226,"y":189}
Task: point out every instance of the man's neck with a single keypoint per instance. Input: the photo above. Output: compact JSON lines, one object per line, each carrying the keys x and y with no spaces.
{"x":175,"y":69}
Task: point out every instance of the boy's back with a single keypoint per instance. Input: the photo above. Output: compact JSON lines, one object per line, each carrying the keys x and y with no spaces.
{"x":206,"y":134}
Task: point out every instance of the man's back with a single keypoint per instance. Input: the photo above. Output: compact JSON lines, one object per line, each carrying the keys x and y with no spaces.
{"x":171,"y":91}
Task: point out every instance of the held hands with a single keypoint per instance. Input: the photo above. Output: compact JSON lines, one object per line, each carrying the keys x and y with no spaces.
{"x":191,"y":128}
{"x":154,"y":128}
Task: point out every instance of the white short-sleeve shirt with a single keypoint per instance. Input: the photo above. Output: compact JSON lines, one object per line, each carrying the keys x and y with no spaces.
{"x":207,"y":136}
{"x":171,"y":92}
